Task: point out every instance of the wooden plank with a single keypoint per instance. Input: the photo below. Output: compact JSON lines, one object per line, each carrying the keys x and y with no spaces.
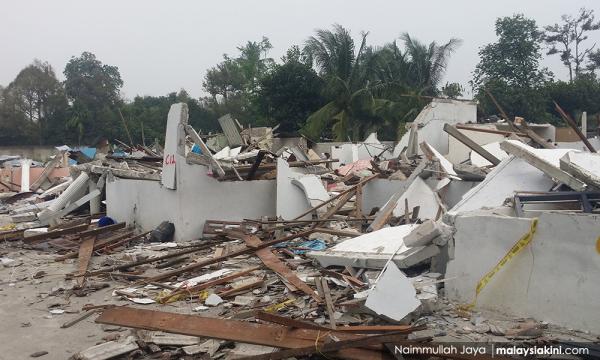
{"x":362,"y":182}
{"x":86,"y":250}
{"x":383,"y":215}
{"x":328,"y":302}
{"x":465,"y":140}
{"x":489,"y":131}
{"x":46,"y":172}
{"x":574,"y":126}
{"x":214,"y":260}
{"x":227,"y":329}
{"x":205,"y":150}
{"x":35,"y":239}
{"x":286,"y":321}
{"x":334,"y":209}
{"x":272,"y":262}
{"x":209,"y":284}
{"x":102,"y":230}
{"x":97,"y":246}
{"x":153,"y":259}
{"x":395,"y":338}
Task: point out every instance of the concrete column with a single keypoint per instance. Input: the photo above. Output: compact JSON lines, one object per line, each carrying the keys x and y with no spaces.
{"x":95,"y":202}
{"x":25,"y":165}
{"x":584,"y":123}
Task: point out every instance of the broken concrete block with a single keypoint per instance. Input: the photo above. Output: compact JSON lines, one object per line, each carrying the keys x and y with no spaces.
{"x":583,"y":166}
{"x":108,"y":350}
{"x":429,"y":232}
{"x":423,"y":234}
{"x":163,"y":338}
{"x":213,"y":300}
{"x":394,"y":295}
{"x":546,"y":160}
{"x":209,"y":347}
{"x":374,"y":249}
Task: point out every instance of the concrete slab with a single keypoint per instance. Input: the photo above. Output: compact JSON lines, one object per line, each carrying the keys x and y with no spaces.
{"x":373,"y":250}
{"x":419,"y":194}
{"x":583,"y":166}
{"x":394,"y":295}
{"x":512,"y":174}
{"x":546,"y":160}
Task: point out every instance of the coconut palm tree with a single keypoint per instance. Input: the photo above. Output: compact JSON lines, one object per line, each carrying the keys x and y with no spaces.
{"x":425,"y":64}
{"x":365,"y":88}
{"x":353,"y":109}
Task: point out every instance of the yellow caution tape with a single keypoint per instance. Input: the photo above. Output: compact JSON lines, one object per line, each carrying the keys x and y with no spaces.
{"x":8,"y":227}
{"x":277,"y":307}
{"x":164,"y":297}
{"x":517,"y":247}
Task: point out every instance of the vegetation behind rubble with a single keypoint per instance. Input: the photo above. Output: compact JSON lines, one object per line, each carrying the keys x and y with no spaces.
{"x":328,"y":88}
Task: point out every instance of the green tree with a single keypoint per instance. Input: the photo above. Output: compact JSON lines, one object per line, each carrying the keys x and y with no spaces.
{"x":35,"y":101}
{"x":510,"y":69}
{"x":452,"y":90}
{"x":352,"y":110}
{"x":93,"y":89}
{"x":567,"y":39}
{"x":233,"y":83}
{"x":419,"y":67}
{"x":289,"y":93}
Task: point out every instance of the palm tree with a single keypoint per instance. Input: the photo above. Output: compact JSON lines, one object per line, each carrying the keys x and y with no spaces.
{"x":366,"y":89}
{"x":426,"y":64}
{"x":353,"y":110}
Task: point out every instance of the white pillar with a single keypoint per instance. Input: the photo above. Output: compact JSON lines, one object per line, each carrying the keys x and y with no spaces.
{"x":94,"y":202}
{"x":584,"y":123}
{"x":25,"y":165}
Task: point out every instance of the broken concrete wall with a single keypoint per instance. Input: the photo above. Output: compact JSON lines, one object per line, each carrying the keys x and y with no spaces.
{"x":554,"y":279}
{"x":431,"y":122}
{"x":512,"y":174}
{"x":198,"y":198}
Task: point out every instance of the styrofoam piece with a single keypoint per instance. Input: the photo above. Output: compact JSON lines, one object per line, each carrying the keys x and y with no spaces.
{"x":394,"y":295}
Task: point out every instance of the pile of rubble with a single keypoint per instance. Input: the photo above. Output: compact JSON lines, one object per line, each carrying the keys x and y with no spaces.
{"x":233,"y":247}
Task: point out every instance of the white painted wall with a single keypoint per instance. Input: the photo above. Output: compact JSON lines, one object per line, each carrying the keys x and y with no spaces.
{"x":458,"y":152}
{"x":198,"y":198}
{"x":433,"y":117}
{"x":555,"y":279}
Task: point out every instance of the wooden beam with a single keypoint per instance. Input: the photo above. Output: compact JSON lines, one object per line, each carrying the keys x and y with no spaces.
{"x":35,"y":239}
{"x":227,"y":329}
{"x":272,"y":262}
{"x":86,"y":250}
{"x":574,"y":126}
{"x":453,"y":131}
{"x":384,"y":214}
{"x":214,"y":260}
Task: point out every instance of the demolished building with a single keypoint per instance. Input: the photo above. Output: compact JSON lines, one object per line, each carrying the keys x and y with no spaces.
{"x":459,"y":217}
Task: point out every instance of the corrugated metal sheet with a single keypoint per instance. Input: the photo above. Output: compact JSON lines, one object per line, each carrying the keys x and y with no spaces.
{"x":230,"y":130}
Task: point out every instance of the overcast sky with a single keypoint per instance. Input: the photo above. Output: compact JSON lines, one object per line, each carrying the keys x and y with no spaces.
{"x":163,"y":46}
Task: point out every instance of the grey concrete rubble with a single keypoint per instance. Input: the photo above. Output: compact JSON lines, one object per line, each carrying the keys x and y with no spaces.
{"x":215,"y":245}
